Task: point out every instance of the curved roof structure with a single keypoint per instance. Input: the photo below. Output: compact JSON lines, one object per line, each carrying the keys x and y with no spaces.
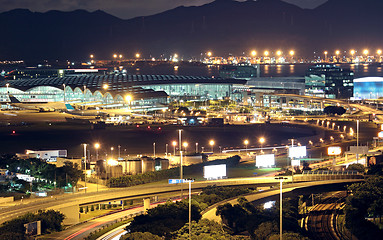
{"x":118,"y":83}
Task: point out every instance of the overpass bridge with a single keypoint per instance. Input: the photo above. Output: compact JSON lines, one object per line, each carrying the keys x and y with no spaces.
{"x":69,"y":204}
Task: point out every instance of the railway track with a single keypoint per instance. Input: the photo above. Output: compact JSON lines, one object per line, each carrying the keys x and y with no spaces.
{"x":321,"y":220}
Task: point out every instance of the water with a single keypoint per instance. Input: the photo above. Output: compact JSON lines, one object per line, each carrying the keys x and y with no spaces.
{"x":282,"y":70}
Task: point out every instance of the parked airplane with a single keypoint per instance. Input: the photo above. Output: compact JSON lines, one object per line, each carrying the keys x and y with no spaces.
{"x":41,"y":107}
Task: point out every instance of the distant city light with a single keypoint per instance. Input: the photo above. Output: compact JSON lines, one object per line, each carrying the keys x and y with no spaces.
{"x":253,"y":53}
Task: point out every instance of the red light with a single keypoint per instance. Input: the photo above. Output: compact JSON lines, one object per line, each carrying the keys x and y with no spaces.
{"x":137,"y":125}
{"x":149,"y":127}
{"x":159,"y":128}
{"x":13,"y":132}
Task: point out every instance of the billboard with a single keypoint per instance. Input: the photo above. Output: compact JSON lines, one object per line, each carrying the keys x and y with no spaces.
{"x":266,"y":160}
{"x":358,"y":150}
{"x":333,"y":151}
{"x":297,"y":152}
{"x":214,"y":171}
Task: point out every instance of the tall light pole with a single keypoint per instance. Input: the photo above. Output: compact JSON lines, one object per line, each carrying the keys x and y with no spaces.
{"x":64,"y":93}
{"x":180,"y":148}
{"x":357,"y":141}
{"x":166,"y":149}
{"x":85,"y":164}
{"x":246,"y":142}
{"x":154,"y":150}
{"x":174,"y":143}
{"x":325,"y":55}
{"x":212,"y":145}
{"x":111,"y":151}
{"x":119,"y":151}
{"x":96,"y":146}
{"x":262,"y":140}
{"x":185,"y":145}
{"x":196,"y":147}
{"x":280,"y":205}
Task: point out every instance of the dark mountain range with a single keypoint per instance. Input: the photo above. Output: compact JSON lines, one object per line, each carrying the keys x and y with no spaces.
{"x":223,"y":26}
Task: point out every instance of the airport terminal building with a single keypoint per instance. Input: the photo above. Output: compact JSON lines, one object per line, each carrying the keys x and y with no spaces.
{"x":113,"y":89}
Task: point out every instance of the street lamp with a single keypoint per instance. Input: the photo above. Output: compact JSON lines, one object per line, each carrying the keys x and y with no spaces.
{"x":246,"y":142}
{"x":180,"y":148}
{"x":365,"y":52}
{"x":64,"y":92}
{"x":209,"y":54}
{"x":154,"y":150}
{"x":196,"y":147}
{"x":174,"y":143}
{"x":212,"y":145}
{"x":379,"y":52}
{"x":325,"y":55}
{"x":85,"y":164}
{"x":128,"y":98}
{"x":185,"y":145}
{"x":352,"y":54}
{"x":253,"y":53}
{"x":281,"y":179}
{"x":261,"y":141}
{"x":138,"y":55}
{"x":96,"y":146}
{"x":337,"y":52}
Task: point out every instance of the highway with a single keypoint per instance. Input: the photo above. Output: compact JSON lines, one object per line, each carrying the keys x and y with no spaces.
{"x":210,"y":212}
{"x":82,"y":230}
{"x":68,"y":200}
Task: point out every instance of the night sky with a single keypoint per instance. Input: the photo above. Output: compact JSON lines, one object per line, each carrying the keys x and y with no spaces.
{"x":124,"y":9}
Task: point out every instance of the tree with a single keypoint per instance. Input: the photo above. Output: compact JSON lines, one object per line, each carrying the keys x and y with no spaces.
{"x":204,"y":229}
{"x":334,"y":110}
{"x":265,"y":230}
{"x":357,"y":167}
{"x":165,"y":218}
{"x":140,"y":236}
{"x":289,"y":236}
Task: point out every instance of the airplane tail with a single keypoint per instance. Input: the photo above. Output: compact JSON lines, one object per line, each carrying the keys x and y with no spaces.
{"x":69,"y":107}
{"x":13,"y":99}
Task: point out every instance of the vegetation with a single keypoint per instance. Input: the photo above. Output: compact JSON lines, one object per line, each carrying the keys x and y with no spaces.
{"x":334,"y":110}
{"x":365,"y":202}
{"x":258,"y":222}
{"x":50,"y":221}
{"x":356,"y":167}
{"x":132,"y":180}
{"x":44,"y":173}
{"x":165,"y":218}
{"x":204,"y":229}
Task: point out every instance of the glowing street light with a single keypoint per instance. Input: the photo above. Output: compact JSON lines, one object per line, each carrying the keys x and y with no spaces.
{"x":325,"y":55}
{"x":266,"y":53}
{"x":262,"y":140}
{"x":114,"y":56}
{"x":279,"y":53}
{"x":379,"y":52}
{"x":209,"y":54}
{"x":185,"y":145}
{"x":105,"y":86}
{"x":174,"y":143}
{"x":337,"y":52}
{"x":365,"y":52}
{"x":120,"y":56}
{"x":138,"y":55}
{"x":96,"y":146}
{"x":246,"y":142}
{"x":292,"y":53}
{"x":212,"y":145}
{"x":253,"y":53}
{"x":128,"y":99}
